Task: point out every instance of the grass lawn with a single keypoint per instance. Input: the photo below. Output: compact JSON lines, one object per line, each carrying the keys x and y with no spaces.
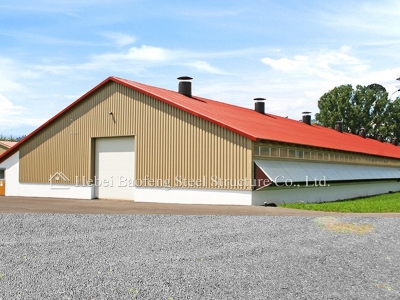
{"x":381,"y":203}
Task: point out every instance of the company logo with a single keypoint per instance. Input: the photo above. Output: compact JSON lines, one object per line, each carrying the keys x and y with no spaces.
{"x":60,"y":181}
{"x":58,"y":178}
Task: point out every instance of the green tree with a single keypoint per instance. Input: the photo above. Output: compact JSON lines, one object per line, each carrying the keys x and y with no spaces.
{"x":10,"y":138}
{"x":365,"y":107}
{"x":336,"y":106}
{"x":392,"y":123}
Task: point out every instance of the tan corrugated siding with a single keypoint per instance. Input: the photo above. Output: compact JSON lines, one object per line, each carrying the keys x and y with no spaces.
{"x":168,"y":142}
{"x":321,"y":154}
{"x":3,"y":149}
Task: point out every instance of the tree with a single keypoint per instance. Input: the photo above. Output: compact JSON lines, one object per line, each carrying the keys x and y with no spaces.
{"x":10,"y":138}
{"x":365,"y":107}
{"x":393,"y":122}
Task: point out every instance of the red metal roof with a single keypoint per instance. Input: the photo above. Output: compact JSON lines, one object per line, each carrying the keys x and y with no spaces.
{"x":246,"y":122}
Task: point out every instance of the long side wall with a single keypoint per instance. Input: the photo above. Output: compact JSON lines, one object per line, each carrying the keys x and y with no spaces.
{"x":169,"y":142}
{"x":282,"y":151}
{"x":332,"y":192}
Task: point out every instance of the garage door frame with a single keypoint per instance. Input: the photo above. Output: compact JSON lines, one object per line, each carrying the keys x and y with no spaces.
{"x":110,"y":147}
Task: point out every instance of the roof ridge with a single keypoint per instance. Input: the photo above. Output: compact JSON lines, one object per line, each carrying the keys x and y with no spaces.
{"x":243,"y":121}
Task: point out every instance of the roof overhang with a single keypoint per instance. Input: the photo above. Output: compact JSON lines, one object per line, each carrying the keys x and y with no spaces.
{"x":301,"y":172}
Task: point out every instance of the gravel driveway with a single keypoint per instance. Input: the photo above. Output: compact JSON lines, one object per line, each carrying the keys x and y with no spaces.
{"x":60,"y":256}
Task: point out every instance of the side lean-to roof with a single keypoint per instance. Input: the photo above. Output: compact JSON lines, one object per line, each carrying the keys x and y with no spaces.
{"x":245,"y":122}
{"x":7,"y":144}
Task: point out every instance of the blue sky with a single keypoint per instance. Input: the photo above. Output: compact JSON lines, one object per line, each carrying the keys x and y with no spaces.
{"x":289,"y":52}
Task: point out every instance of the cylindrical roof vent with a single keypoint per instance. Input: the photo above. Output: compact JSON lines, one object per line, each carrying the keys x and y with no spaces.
{"x":259,"y":105}
{"x":339,"y":126}
{"x":185,"y":86}
{"x":362,"y":132}
{"x":394,"y":141}
{"x":307,"y":117}
{"x":380,"y":138}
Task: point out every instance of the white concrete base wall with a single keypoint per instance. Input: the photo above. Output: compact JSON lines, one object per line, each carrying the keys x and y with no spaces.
{"x":15,"y":188}
{"x":322,"y":194}
{"x":192,"y":196}
{"x":56,"y":191}
{"x":142,"y":194}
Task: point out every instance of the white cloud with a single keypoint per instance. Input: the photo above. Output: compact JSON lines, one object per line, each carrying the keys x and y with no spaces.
{"x":327,"y":65}
{"x":147,"y":53}
{"x":7,"y":78}
{"x":387,"y":78}
{"x":345,"y":49}
{"x":13,"y":116}
{"x":120,"y":39}
{"x":143,"y":53}
{"x":300,"y":80}
{"x":285,"y":64}
{"x":367,"y":21}
{"x":8,"y":85}
{"x":206,"y":67}
{"x":7,"y":107}
{"x":291,"y":84}
{"x":135,"y":58}
{"x":146,"y":56}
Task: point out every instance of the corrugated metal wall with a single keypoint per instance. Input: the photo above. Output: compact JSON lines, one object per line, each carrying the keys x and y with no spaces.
{"x":277,"y":151}
{"x":169,"y":142}
{"x":3,"y":149}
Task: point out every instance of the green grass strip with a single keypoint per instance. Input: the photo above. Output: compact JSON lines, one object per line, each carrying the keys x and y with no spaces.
{"x":374,"y":204}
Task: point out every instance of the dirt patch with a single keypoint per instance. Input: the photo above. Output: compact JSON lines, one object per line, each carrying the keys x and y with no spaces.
{"x":336,"y":225}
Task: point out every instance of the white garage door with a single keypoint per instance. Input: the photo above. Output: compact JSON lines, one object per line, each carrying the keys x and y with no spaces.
{"x":114,"y":168}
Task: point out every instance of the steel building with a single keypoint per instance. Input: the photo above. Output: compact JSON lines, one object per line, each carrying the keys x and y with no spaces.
{"x":127,"y":140}
{"x":5,"y":145}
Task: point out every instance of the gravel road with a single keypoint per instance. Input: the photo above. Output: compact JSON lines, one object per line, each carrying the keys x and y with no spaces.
{"x":60,"y":256}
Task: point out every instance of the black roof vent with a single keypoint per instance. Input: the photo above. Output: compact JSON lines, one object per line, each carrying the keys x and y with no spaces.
{"x":380,"y":138}
{"x":259,"y":105}
{"x":339,"y":126}
{"x":185,"y":86}
{"x":394,"y":141}
{"x":362,"y":132}
{"x":307,"y":117}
